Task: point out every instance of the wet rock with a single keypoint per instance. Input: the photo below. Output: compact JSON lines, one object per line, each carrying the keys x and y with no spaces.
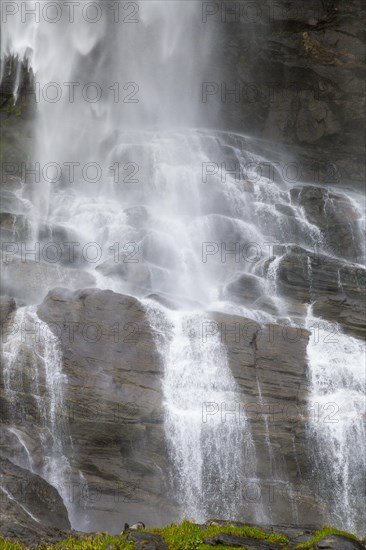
{"x":245,"y":288}
{"x":114,"y":394}
{"x":30,"y":279}
{"x":269,"y":363}
{"x":17,"y":525}
{"x":130,"y":270}
{"x":304,"y":276}
{"x":267,"y":304}
{"x":14,"y":227}
{"x":315,"y":120}
{"x":235,"y":541}
{"x":338,"y":542}
{"x":137,"y":216}
{"x":33,"y":495}
{"x":7,"y":306}
{"x":11,"y":203}
{"x":337,"y":218}
{"x":147,"y":541}
{"x":65,"y":241}
{"x":336,"y":288}
{"x":350,"y":314}
{"x":31,"y":510}
{"x":301,"y":70}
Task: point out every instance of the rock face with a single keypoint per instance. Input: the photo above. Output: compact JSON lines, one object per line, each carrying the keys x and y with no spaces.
{"x":110,"y":420}
{"x":30,"y":279}
{"x":298,"y":72}
{"x":7,"y":306}
{"x":270,"y":368}
{"x":335,"y":288}
{"x":335,"y":216}
{"x":30,"y":508}
{"x":112,"y":405}
{"x":338,"y":542}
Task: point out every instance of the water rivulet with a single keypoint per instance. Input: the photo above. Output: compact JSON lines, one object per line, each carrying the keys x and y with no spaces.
{"x":226,"y":284}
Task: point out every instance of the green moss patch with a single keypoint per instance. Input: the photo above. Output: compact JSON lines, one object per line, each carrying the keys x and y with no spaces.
{"x":324,"y":532}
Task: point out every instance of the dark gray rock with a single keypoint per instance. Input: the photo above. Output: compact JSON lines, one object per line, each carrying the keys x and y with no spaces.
{"x":147,"y":541}
{"x":116,"y":427}
{"x":236,"y":541}
{"x":14,"y":227}
{"x":336,"y":217}
{"x":31,"y":510}
{"x":301,"y":70}
{"x":33,"y":495}
{"x":338,"y":542}
{"x":7,"y":306}
{"x":18,"y":526}
{"x":269,"y":363}
{"x":349,"y":314}
{"x":245,"y":288}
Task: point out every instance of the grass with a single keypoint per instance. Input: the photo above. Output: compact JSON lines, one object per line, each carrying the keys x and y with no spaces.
{"x":186,"y":536}
{"x":325,"y":531}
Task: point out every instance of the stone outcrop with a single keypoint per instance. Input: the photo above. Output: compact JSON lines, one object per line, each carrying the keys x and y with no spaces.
{"x":7,"y":306}
{"x":31,"y":278}
{"x":30,"y":508}
{"x":300,"y":69}
{"x":112,"y":404}
{"x":269,"y":365}
{"x":335,"y":216}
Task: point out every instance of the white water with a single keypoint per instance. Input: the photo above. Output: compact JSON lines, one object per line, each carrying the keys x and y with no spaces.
{"x":34,"y":380}
{"x":167,"y":210}
{"x":338,"y":380}
{"x":203,"y":423}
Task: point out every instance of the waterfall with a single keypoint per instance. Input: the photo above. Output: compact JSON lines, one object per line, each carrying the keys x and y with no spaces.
{"x":337,"y":430}
{"x":203,"y":422}
{"x":34,"y":381}
{"x":130,"y":160}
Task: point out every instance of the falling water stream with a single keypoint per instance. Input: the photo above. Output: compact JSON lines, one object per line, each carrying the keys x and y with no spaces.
{"x":138,"y":169}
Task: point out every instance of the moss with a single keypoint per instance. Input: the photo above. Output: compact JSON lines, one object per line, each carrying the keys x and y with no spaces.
{"x":93,"y":542}
{"x":189,"y":536}
{"x":325,"y":531}
{"x":186,"y":536}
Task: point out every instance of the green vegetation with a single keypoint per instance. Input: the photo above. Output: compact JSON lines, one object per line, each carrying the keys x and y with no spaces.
{"x":186,"y":536}
{"x":325,"y":531}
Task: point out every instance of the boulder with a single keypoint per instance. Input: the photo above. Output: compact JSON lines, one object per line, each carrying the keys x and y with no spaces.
{"x":244,"y":288}
{"x":147,"y":541}
{"x":338,"y":542}
{"x":336,"y":216}
{"x":30,"y":278}
{"x":235,"y":541}
{"x":14,"y":227}
{"x":7,"y":306}
{"x":31,"y":510}
{"x":34,"y":495}
{"x":349,"y":314}
{"x":132,"y":271}
{"x":334,"y":287}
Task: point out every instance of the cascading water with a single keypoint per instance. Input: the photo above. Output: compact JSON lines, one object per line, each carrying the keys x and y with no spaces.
{"x":201,"y":437}
{"x":140,"y":176}
{"x":338,"y":428}
{"x":32,"y":370}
